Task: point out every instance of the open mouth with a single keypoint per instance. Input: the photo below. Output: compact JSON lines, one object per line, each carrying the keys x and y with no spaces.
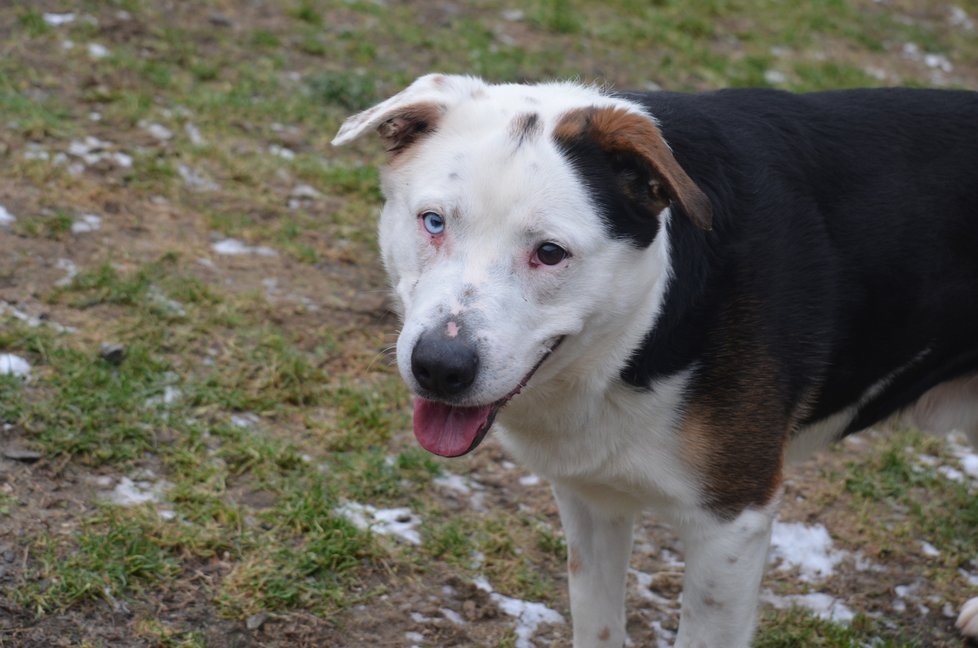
{"x":452,"y":430}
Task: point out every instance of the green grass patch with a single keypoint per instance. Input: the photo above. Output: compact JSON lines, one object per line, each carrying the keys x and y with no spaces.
{"x":895,"y":480}
{"x":311,"y":564}
{"x":113,"y":557}
{"x":796,"y":627}
{"x":53,"y":225}
{"x":351,"y":91}
{"x":97,"y":411}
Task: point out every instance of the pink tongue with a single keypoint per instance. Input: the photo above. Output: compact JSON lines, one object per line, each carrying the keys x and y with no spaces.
{"x":445,"y":430}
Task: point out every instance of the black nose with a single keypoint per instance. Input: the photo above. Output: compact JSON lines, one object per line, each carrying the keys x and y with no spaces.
{"x":444,"y":366}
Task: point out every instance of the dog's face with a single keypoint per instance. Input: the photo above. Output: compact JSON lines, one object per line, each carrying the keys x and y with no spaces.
{"x":518,"y":219}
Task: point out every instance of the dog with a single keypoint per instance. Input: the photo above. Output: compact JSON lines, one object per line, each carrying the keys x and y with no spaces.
{"x":661,"y":298}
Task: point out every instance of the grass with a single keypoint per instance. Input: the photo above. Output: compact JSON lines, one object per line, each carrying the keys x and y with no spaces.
{"x":209,"y":346}
{"x":900,"y":484}
{"x":797,"y":627}
{"x":112,"y":556}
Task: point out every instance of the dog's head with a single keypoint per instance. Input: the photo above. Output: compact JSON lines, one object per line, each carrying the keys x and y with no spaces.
{"x":518,"y":219}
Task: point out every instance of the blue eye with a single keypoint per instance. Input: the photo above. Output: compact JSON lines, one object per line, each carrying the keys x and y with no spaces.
{"x":434,"y":223}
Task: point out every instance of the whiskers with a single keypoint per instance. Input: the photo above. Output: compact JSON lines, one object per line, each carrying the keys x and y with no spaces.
{"x":386,"y":355}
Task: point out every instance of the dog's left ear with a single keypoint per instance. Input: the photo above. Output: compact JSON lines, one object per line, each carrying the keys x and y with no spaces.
{"x":412,"y":113}
{"x":628,"y":139}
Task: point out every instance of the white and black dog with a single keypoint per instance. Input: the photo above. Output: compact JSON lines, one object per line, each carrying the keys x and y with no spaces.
{"x":684,"y":290}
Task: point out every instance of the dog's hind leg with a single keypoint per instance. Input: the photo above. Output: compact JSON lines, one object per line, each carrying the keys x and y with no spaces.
{"x":724,"y":565}
{"x":949,"y":406}
{"x":599,"y":543}
{"x":953,"y":406}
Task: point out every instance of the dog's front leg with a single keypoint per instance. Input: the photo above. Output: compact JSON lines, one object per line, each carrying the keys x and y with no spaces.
{"x":599,"y":543}
{"x":724,"y":565}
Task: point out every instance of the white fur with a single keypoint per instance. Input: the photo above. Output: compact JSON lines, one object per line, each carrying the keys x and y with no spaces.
{"x":610,"y":450}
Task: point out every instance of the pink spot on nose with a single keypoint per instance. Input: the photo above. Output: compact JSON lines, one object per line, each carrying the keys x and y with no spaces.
{"x":451,"y":330}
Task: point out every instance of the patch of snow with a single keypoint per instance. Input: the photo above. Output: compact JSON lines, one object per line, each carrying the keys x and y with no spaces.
{"x":194,"y":180}
{"x":671,"y":559}
{"x":36,"y":152}
{"x":157,"y":131}
{"x":93,"y":150}
{"x":903,"y":592}
{"x":529,"y":480}
{"x":938,"y":62}
{"x":194,"y":134}
{"x":775,"y":77}
{"x":169,"y":396}
{"x":302,"y":194}
{"x":663,"y":638}
{"x":529,"y":615}
{"x":951,"y":473}
{"x":245,"y":420}
{"x":172,"y":306}
{"x":32,"y":321}
{"x":643,"y":582}
{"x":960,"y":18}
{"x":97,"y":51}
{"x":929,"y":549}
{"x":132,"y":493}
{"x":809,"y":548}
{"x":70,"y":271}
{"x":971,"y":579}
{"x":95,"y":116}
{"x":6,"y":218}
{"x":234,"y":247}
{"x":271,"y":285}
{"x":965,"y":453}
{"x":58,"y":19}
{"x":399,"y":522}
{"x":456,"y":483}
{"x":86,"y":223}
{"x":824,"y":606}
{"x":880,"y":75}
{"x":304,"y":191}
{"x":452,"y":616}
{"x":14,"y":365}
{"x":282,"y":152}
{"x":81,"y":148}
{"x":414,"y":636}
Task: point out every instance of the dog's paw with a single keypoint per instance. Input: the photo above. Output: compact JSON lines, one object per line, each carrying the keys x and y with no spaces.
{"x":968,"y":619}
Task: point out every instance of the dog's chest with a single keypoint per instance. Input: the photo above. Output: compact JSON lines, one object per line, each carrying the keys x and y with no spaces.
{"x":619,"y":447}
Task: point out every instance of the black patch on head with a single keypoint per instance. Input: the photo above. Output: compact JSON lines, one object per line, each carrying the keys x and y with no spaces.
{"x":525,"y":127}
{"x":619,"y":184}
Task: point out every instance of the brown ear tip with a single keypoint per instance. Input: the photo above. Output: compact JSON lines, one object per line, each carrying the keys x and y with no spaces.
{"x":700,"y":210}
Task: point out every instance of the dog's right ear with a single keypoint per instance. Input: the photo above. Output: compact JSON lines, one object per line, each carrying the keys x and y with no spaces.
{"x":410,"y":114}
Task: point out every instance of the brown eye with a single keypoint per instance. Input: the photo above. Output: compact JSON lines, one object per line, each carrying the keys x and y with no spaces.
{"x":550,"y":254}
